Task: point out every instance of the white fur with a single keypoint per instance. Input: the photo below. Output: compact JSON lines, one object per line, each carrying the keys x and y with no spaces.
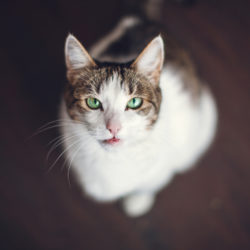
{"x":147,"y":159}
{"x":137,"y":204}
{"x":147,"y":162}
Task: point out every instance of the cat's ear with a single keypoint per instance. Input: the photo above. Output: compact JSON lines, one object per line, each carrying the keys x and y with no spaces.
{"x":150,"y":61}
{"x":76,"y":55}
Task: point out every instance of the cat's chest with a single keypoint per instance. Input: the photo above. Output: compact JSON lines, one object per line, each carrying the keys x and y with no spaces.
{"x":128,"y":163}
{"x":113,"y":174}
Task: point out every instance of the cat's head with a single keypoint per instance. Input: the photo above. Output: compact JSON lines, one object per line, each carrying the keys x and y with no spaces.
{"x":118,"y":103}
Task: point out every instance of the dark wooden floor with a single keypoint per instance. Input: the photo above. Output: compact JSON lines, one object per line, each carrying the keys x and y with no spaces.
{"x":206,"y":208}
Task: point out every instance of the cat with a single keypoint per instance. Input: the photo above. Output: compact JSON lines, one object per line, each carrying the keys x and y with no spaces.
{"x":134,"y":112}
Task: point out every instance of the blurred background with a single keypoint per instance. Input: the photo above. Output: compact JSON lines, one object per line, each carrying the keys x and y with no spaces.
{"x":205,"y":208}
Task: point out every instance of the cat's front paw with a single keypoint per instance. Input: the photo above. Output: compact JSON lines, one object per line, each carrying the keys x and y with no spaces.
{"x":138,"y":204}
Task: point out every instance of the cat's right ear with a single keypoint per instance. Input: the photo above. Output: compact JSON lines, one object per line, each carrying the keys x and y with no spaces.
{"x":76,"y":56}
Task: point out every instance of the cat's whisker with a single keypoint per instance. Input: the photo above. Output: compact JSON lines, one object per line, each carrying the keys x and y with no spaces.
{"x":71,"y":161}
{"x":58,"y":122}
{"x":39,"y":131}
{"x":63,"y":152}
{"x":55,"y":139}
{"x":51,"y":122}
{"x":62,"y":120}
{"x":50,"y":127}
{"x":58,"y":142}
{"x":54,"y":124}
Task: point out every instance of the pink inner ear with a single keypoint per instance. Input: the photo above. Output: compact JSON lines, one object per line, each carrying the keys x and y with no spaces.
{"x":151,"y":59}
{"x":113,"y":126}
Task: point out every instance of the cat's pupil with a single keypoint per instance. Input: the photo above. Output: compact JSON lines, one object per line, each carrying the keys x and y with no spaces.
{"x":134,"y":103}
{"x":93,"y":103}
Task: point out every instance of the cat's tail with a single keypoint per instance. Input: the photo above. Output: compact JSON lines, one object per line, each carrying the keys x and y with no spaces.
{"x":148,"y":9}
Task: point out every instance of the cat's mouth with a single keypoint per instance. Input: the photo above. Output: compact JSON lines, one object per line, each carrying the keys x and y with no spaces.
{"x":112,"y":141}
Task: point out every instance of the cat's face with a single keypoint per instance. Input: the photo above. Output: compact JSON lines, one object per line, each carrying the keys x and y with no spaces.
{"x":118,"y":103}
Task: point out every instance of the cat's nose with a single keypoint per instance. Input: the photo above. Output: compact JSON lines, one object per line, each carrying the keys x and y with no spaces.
{"x":113,"y":127}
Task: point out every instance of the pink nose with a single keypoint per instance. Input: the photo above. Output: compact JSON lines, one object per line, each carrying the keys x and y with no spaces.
{"x":113,"y":127}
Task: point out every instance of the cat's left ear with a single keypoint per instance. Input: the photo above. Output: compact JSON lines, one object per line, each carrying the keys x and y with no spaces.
{"x":149,"y":63}
{"x":76,"y":56}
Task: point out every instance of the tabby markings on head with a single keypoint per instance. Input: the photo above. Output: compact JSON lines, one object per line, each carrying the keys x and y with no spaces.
{"x":89,"y":78}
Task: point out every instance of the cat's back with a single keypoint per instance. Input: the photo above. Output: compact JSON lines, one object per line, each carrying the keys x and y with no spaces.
{"x":125,"y":41}
{"x":132,"y":34}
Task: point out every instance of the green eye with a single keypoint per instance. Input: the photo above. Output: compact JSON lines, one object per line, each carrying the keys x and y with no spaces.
{"x":93,"y":103}
{"x":134,"y":103}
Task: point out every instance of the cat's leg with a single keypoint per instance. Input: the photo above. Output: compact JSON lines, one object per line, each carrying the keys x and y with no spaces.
{"x":137,"y":204}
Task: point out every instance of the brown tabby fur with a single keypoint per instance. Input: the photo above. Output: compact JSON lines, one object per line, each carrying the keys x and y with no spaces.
{"x":87,"y":82}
